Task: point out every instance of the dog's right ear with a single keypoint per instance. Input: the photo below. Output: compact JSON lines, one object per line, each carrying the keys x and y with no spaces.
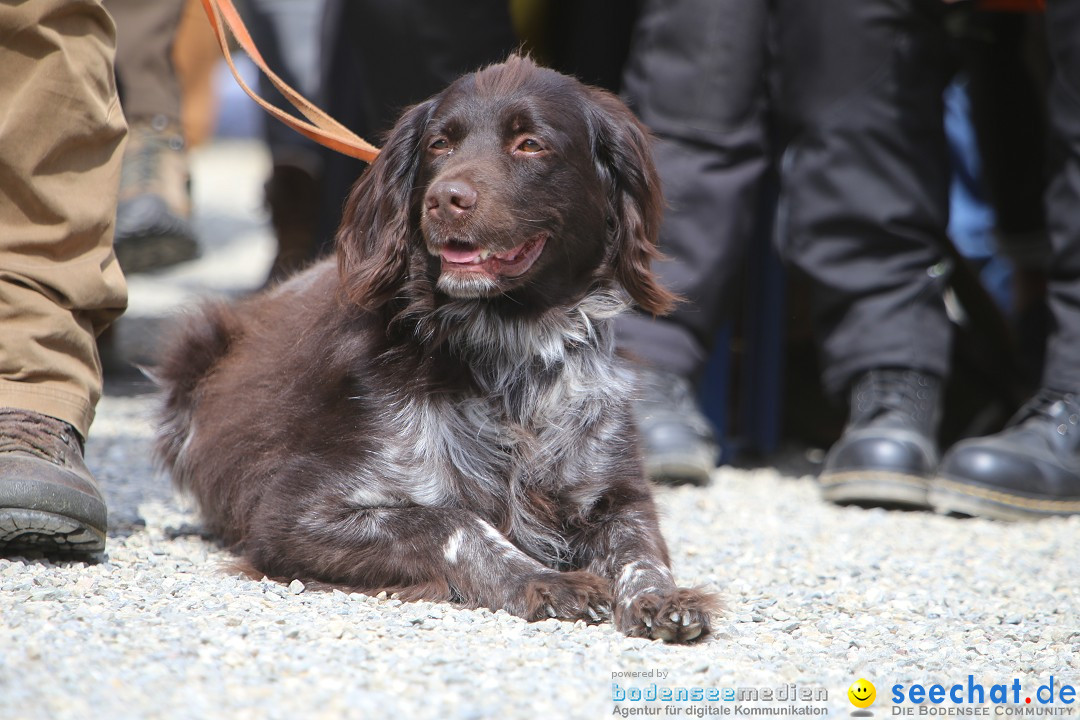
{"x":375,"y":234}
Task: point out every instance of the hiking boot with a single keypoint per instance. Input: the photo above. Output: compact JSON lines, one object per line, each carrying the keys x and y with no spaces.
{"x":49,"y":501}
{"x":678,"y":442}
{"x":153,"y":228}
{"x":1029,"y":470}
{"x":887,"y":453}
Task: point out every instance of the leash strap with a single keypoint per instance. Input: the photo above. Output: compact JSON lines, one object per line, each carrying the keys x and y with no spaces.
{"x":319,"y":126}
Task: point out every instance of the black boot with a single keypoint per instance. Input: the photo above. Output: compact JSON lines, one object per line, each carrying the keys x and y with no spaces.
{"x":888,"y":451}
{"x":678,"y":443}
{"x":1029,"y":470}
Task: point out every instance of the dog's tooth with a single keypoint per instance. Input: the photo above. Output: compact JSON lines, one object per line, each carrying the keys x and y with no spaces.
{"x":647,"y":620}
{"x":686,"y":619}
{"x":675,"y":617}
{"x":551,"y":611}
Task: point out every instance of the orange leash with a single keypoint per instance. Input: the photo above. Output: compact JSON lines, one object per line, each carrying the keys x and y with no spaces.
{"x":322,"y":128}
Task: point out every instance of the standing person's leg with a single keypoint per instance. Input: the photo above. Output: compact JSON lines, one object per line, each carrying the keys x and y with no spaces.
{"x":287,"y":33}
{"x":696,"y":76}
{"x":144,"y":42}
{"x":1062,"y":370}
{"x":863,"y":214}
{"x":1032,"y":468}
{"x":153,"y":222}
{"x":60,"y":285}
{"x":411,"y":49}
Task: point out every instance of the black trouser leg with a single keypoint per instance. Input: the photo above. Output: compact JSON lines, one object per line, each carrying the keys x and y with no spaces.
{"x":696,"y":77}
{"x":865,"y":178}
{"x":1062,"y":371}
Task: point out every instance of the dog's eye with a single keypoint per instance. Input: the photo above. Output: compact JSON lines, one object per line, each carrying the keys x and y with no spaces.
{"x":530,"y":146}
{"x":440,"y":144}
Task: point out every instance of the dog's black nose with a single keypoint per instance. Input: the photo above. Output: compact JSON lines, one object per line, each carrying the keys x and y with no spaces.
{"x":450,"y":199}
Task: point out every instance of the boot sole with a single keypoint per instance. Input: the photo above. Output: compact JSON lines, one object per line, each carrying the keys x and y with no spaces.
{"x":48,"y":517}
{"x":23,"y":530}
{"x":679,"y":470}
{"x":875,"y":488}
{"x":155,"y":251}
{"x":951,"y":496}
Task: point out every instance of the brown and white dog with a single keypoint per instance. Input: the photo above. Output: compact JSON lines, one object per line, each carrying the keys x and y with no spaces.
{"x":442,"y":413}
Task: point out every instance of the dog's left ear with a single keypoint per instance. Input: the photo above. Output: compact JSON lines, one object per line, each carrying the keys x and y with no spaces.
{"x":620,"y":146}
{"x":375,"y":235}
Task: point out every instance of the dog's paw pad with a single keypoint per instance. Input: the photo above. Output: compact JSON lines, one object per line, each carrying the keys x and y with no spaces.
{"x":680,"y":615}
{"x":574,"y":595}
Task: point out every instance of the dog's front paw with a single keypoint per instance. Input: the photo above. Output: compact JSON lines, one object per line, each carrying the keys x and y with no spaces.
{"x":678,"y":615}
{"x":576,"y":595}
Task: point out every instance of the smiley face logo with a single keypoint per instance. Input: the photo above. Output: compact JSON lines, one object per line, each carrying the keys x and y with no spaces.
{"x":862,"y":693}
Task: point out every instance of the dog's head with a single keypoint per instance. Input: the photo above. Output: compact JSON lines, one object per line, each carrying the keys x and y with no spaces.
{"x":515,"y":181}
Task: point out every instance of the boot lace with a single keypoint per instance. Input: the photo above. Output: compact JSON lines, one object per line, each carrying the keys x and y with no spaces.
{"x":22,"y":431}
{"x":147,"y":145}
{"x":1052,"y":406}
{"x":881,"y":392}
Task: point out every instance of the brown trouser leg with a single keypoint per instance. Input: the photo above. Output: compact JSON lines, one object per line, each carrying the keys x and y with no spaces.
{"x":61,"y":140}
{"x":146,"y":30}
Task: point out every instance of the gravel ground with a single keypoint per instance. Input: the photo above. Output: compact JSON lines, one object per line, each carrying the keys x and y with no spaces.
{"x":816,"y":595}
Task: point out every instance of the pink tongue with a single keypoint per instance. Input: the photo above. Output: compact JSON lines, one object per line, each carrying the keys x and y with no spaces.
{"x":459,"y":255}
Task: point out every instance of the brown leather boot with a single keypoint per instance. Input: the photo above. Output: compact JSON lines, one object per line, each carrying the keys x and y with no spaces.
{"x":49,"y":501}
{"x":153,"y":218}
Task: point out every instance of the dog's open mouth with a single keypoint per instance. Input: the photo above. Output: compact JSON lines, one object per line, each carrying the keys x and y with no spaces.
{"x":516,"y":261}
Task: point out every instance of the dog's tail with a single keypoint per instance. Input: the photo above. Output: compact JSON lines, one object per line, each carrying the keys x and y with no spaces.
{"x":189,"y":356}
